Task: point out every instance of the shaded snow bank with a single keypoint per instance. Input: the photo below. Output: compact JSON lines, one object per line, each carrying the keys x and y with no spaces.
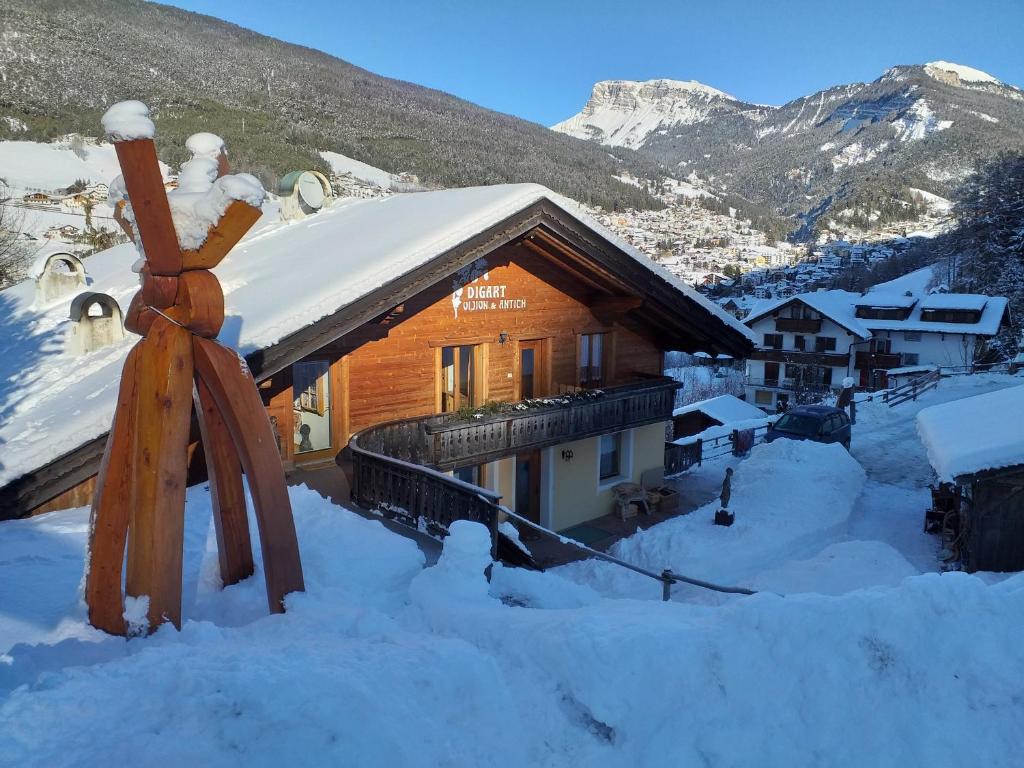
{"x":380,"y":663}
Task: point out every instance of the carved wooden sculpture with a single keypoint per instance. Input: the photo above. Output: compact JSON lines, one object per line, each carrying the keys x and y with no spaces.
{"x":177,"y":366}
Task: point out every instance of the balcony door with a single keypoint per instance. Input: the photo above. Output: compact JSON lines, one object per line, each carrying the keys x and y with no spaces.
{"x":459,"y":378}
{"x":531,"y":369}
{"x":528,"y":485}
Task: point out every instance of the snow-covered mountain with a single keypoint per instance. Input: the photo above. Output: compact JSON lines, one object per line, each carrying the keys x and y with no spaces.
{"x":922,"y":126}
{"x":624,"y":113}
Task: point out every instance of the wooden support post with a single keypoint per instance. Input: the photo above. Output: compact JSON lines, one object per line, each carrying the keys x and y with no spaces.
{"x":226,"y":493}
{"x":108,"y":525}
{"x":234,"y":391}
{"x":159,"y":469}
{"x":144,"y":182}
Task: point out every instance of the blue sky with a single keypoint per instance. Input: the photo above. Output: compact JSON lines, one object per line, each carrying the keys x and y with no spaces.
{"x":539,"y":60}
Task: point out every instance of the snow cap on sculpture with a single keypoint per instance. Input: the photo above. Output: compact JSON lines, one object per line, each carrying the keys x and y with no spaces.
{"x":203,"y":194}
{"x":128,"y":121}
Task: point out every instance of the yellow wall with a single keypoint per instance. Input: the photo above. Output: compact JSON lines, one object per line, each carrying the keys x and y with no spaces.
{"x":575,"y":494}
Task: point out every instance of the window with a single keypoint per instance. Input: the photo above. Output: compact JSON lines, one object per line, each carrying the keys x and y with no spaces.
{"x":911,"y":335}
{"x":762,"y":397}
{"x":773,"y":340}
{"x":468,"y":474}
{"x":800,"y":342}
{"x":910,"y":358}
{"x":311,"y":393}
{"x":592,"y":358}
{"x":825,"y":344}
{"x":771,"y":373}
{"x":611,"y":456}
{"x":458,"y":377}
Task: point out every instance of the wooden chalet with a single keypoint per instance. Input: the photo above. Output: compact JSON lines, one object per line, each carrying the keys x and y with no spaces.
{"x":451,"y":349}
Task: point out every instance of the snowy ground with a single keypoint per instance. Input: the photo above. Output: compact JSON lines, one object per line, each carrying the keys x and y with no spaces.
{"x":382,"y":662}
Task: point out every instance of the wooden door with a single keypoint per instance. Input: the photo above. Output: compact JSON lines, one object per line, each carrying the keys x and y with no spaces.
{"x":528,"y":486}
{"x":531,"y":369}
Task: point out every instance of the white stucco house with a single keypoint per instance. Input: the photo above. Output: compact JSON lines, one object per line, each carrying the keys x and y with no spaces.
{"x":812,"y":341}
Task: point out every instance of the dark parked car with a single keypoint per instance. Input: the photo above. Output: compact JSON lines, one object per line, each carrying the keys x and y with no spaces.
{"x":820,"y":423}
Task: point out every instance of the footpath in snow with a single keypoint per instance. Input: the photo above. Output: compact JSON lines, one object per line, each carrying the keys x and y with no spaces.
{"x":384,"y":662}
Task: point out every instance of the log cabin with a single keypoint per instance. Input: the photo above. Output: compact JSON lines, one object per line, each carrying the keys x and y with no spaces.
{"x":492,"y":341}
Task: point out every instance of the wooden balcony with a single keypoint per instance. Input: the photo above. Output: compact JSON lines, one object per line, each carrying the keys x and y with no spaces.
{"x":398,"y":466}
{"x":797,"y":325}
{"x":798,"y":357}
{"x":876,"y":360}
{"x":447,"y":441}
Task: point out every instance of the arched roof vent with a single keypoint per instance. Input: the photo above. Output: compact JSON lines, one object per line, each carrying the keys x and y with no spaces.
{"x":57,"y":274}
{"x":95,"y":322}
{"x":303,"y":193}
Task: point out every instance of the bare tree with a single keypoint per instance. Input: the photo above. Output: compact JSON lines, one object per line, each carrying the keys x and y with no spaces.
{"x":14,"y":253}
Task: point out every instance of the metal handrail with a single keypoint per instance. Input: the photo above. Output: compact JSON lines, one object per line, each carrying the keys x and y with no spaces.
{"x":667,"y":577}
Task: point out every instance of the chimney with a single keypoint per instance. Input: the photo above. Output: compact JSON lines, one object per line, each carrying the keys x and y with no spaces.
{"x":95,"y":323}
{"x":56,"y":275}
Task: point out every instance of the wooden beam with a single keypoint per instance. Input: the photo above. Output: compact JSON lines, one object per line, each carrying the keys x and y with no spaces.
{"x":234,"y":392}
{"x":108,"y":524}
{"x":237,"y":220}
{"x":230,"y":520}
{"x":141,"y":171}
{"x":159,"y":469}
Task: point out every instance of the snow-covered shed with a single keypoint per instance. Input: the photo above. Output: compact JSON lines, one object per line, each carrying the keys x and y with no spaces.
{"x":303,"y":297}
{"x":718,"y":411}
{"x":976,"y":446}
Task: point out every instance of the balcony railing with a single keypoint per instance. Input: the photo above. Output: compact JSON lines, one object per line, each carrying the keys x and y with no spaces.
{"x":789,"y":385}
{"x":399,"y":465}
{"x":797,"y":325}
{"x":801,"y":357}
{"x":873,"y":360}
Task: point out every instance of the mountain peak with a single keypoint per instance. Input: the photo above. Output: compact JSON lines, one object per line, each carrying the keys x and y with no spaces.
{"x":624,"y":113}
{"x":941,"y":70}
{"x":666,"y":84}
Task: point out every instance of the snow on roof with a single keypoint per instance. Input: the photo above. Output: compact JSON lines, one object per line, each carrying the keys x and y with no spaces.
{"x":965,"y":301}
{"x":282,"y":277}
{"x":724,"y":409}
{"x":886,"y":300}
{"x":916,"y":282}
{"x":840,"y":307}
{"x":974,"y":434}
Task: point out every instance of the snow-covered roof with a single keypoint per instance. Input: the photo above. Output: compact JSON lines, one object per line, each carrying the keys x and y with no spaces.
{"x":837,"y":306}
{"x":724,"y":409}
{"x":886,"y":300}
{"x":964,"y":301}
{"x":974,"y":434}
{"x":841,"y":308}
{"x":281,"y":278}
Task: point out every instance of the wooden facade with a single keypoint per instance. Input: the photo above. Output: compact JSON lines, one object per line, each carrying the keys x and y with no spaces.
{"x":391,"y":369}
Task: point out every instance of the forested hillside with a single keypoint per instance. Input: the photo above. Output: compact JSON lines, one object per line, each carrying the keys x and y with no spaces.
{"x":276,"y":104}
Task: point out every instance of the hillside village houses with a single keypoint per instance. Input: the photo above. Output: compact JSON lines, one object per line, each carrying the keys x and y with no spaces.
{"x":813,"y":341}
{"x":493,"y":343}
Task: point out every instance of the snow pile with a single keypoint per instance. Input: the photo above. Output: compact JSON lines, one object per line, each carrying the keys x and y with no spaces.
{"x":205,"y":144}
{"x":974,"y":434}
{"x":200,"y":199}
{"x":127,"y":121}
{"x":380,"y":663}
{"x":789,"y":497}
